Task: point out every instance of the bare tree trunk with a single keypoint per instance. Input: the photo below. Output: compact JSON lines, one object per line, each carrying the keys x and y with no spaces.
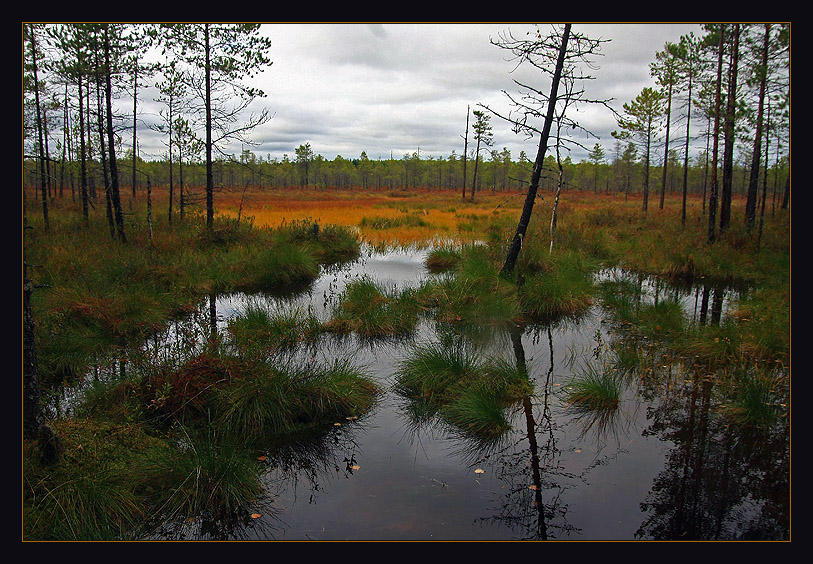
{"x":210,"y":184}
{"x":527,"y":209}
{"x":686,"y":153}
{"x":666,"y":146}
{"x":33,"y":418}
{"x":465,"y":151}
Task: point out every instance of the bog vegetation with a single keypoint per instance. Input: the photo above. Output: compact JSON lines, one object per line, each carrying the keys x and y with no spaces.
{"x":127,"y":431}
{"x":203,"y":413}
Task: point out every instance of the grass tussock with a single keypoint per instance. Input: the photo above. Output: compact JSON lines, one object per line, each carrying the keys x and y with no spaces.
{"x":595,"y":390}
{"x":284,"y":399}
{"x":370,"y":310}
{"x":453,"y":381}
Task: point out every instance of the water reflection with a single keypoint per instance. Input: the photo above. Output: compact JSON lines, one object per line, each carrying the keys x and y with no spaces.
{"x":664,"y":464}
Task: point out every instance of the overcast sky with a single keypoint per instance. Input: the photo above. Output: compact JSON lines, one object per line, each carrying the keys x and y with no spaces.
{"x":393,"y":89}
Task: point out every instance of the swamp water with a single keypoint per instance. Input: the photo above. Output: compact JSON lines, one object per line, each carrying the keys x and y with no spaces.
{"x":662,"y":465}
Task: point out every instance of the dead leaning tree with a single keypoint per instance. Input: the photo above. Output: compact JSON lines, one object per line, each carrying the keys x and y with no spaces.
{"x":567,"y":50}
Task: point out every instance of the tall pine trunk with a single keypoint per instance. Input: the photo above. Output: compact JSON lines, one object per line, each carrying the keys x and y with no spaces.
{"x":730,"y":140}
{"x":43,"y":175}
{"x":716,"y":144}
{"x":753,"y":181}
{"x":666,"y":145}
{"x":111,"y":141}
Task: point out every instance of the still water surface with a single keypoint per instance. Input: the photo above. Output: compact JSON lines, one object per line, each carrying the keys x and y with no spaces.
{"x":663,"y":465}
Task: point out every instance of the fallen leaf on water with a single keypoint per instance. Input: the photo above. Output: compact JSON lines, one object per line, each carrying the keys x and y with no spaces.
{"x":352,"y":417}
{"x":261,"y":458}
{"x":355,"y":467}
{"x":533,"y":487}
{"x":337,"y":424}
{"x":577,"y":450}
{"x":255,"y":515}
{"x":479,"y":471}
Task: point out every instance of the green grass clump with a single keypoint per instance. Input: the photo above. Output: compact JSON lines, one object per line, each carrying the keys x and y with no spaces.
{"x":393,"y":222}
{"x":594,"y":390}
{"x":209,"y":476}
{"x":370,"y":310}
{"x":287,"y":398}
{"x":94,"y":491}
{"x":442,"y":259}
{"x":474,"y":293}
{"x":280,"y":267}
{"x":329,"y":243}
{"x":257,"y":327}
{"x":562,"y":286}
{"x":454,"y":382}
{"x":758,"y":399}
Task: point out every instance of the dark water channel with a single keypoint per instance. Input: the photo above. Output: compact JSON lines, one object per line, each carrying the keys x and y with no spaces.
{"x":663,"y":465}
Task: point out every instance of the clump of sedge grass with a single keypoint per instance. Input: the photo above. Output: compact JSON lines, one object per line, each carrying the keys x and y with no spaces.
{"x":758,"y":399}
{"x":287,"y":398}
{"x":209,"y":476}
{"x":442,"y":259}
{"x":453,"y":381}
{"x":474,"y":293}
{"x":329,"y":243}
{"x":594,"y":390}
{"x":370,"y":310}
{"x":280,"y":267}
{"x":95,"y":491}
{"x":561,"y":286}
{"x":257,"y":327}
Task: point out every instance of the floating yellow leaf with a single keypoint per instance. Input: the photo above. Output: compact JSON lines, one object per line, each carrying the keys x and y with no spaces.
{"x":337,"y":424}
{"x":479,"y":471}
{"x":352,"y":418}
{"x":256,"y":515}
{"x":355,"y":467}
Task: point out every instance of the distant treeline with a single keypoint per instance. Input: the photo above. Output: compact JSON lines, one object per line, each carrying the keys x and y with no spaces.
{"x":498,"y":173}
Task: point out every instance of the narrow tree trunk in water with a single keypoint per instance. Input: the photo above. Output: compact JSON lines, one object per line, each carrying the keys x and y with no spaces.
{"x":527,"y":209}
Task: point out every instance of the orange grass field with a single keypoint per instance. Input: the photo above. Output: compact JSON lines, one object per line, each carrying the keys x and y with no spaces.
{"x":415,"y":216}
{"x":420,"y":216}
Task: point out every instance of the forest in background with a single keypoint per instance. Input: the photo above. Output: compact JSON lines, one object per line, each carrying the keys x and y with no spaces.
{"x":720,"y":114}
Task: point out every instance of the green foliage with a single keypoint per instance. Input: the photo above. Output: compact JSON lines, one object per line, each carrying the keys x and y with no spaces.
{"x":330,"y":244}
{"x":393,"y":222}
{"x":94,"y":492}
{"x":562,"y":286}
{"x":757,"y":399}
{"x":442,"y":259}
{"x":474,"y":293}
{"x":258,"y":327}
{"x":209,"y":476}
{"x":595,"y":389}
{"x":286,"y":398}
{"x":370,"y":310}
{"x":453,"y":381}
